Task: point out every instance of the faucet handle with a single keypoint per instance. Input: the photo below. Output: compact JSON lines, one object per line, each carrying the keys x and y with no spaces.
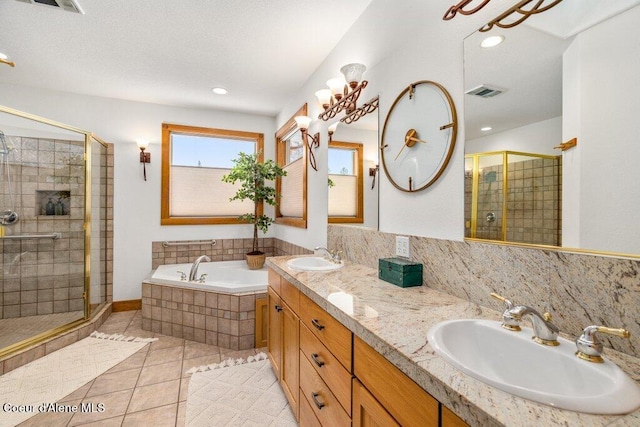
{"x":589,"y":346}
{"x":509,"y":322}
{"x":202,"y":278}
{"x":183,"y":276}
{"x":506,"y":302}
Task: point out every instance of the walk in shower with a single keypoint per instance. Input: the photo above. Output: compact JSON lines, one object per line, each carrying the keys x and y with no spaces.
{"x":54,"y":219}
{"x":513,"y":196}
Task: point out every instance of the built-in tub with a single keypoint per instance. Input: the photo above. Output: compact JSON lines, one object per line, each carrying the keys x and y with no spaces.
{"x":231,"y":277}
{"x":227,"y":310}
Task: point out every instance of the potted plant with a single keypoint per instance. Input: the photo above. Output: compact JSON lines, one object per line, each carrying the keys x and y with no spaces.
{"x":252,"y":173}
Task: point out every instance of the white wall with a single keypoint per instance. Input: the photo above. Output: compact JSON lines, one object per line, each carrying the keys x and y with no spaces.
{"x":606,"y":60}
{"x":137,"y":203}
{"x":400,"y":43}
{"x":539,"y":138}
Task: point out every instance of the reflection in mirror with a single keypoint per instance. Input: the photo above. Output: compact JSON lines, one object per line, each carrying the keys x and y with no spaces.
{"x":291,"y":155}
{"x":568,"y":73}
{"x":365,"y":132}
{"x":345,"y":182}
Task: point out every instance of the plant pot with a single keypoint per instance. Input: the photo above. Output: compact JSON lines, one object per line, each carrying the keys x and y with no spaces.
{"x":255,"y":261}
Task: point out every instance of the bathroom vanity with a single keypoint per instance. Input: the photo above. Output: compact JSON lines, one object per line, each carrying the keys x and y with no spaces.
{"x":350,"y":349}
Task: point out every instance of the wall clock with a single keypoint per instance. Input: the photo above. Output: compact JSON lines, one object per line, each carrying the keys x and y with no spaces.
{"x":419,"y":135}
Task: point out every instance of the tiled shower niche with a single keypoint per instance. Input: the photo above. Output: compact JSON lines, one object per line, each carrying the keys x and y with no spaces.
{"x":56,"y":203}
{"x":43,"y":276}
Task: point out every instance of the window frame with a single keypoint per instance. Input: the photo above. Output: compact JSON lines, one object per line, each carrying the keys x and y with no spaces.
{"x":358,"y":169}
{"x":167,"y":130}
{"x":281,"y":152}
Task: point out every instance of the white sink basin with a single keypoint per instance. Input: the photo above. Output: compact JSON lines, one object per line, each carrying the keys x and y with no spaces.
{"x":513,"y":362}
{"x":313,"y":263}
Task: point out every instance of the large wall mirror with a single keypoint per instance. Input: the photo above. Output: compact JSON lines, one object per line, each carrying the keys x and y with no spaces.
{"x":568,"y":73}
{"x":352,"y":164}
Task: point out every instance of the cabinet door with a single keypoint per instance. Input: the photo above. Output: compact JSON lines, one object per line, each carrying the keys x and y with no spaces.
{"x":290,"y":370}
{"x":449,"y":419}
{"x":274,"y":336}
{"x":367,"y":411}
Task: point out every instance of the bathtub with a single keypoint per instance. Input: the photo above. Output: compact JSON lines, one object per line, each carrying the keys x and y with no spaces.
{"x":227,"y":277}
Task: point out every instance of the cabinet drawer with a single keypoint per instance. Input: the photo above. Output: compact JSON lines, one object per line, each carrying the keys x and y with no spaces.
{"x":307,"y":417}
{"x":405,"y":400}
{"x":290,"y":294}
{"x":335,"y":376}
{"x":329,"y":331}
{"x":273,"y":279}
{"x":324,"y":404}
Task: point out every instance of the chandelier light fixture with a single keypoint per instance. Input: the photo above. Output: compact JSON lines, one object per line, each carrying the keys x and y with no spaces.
{"x":311,"y":141}
{"x":343,"y":93}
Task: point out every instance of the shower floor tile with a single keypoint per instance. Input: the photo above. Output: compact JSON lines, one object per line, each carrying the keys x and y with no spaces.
{"x":17,"y":329}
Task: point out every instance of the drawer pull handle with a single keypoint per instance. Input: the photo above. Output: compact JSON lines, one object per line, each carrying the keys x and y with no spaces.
{"x":317,"y":324}
{"x":278,"y":308}
{"x":314,"y":397}
{"x":315,"y":358}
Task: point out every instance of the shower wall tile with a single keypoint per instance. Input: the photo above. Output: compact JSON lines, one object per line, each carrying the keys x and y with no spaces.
{"x":47,"y":276}
{"x":578,"y":289}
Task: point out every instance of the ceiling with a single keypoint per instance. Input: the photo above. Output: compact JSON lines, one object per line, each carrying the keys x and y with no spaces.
{"x":527,"y":65}
{"x":174,"y":52}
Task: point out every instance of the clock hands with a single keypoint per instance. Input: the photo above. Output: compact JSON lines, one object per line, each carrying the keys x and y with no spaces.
{"x":410,"y":139}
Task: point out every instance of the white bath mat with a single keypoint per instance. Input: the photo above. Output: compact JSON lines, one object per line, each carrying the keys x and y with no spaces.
{"x":54,"y":376}
{"x":247,"y":394}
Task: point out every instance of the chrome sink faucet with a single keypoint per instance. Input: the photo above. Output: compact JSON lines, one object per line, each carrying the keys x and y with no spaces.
{"x":334,"y":256}
{"x":544,"y":331}
{"x":194,"y":268}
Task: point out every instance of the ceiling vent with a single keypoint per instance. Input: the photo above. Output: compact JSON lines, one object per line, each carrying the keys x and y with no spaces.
{"x":67,"y":5}
{"x":485,"y":91}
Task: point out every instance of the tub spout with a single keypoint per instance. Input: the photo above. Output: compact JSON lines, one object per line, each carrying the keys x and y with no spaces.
{"x":194,"y":268}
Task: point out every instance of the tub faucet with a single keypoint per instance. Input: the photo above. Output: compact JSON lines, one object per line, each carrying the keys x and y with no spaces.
{"x":334,"y":256}
{"x":544,"y":331}
{"x":194,"y":268}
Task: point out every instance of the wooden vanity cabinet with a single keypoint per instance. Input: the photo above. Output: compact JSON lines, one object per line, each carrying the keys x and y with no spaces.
{"x":332,"y":378}
{"x":284,"y":337}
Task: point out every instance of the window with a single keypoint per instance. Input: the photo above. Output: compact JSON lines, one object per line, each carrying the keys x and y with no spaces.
{"x":291,"y":155}
{"x":194,"y":159}
{"x":345,"y":182}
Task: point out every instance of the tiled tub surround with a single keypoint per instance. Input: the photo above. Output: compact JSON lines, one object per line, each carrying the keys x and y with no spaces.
{"x":577,"y":289}
{"x":179,"y":252}
{"x":222,"y":320}
{"x":395,"y":321}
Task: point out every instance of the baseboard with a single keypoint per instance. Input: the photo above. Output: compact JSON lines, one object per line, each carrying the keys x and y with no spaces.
{"x":132,"y":304}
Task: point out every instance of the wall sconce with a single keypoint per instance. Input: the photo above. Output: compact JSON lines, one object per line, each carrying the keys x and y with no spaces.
{"x":331,"y":129}
{"x":343,"y":93}
{"x":144,"y":157}
{"x":312,"y":141}
{"x":373,"y":172}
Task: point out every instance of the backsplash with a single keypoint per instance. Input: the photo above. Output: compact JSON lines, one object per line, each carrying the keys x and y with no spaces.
{"x":577,"y":289}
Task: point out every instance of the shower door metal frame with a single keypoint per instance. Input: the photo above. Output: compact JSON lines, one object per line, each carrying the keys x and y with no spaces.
{"x":88,"y":136}
{"x":474,"y":187}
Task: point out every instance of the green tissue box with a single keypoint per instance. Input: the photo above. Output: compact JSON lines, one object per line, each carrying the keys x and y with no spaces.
{"x":399,"y":271}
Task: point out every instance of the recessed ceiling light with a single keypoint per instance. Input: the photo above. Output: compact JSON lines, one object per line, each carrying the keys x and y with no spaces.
{"x":3,"y":56}
{"x":219,"y":91}
{"x":492,"y":41}
{"x":486,"y":128}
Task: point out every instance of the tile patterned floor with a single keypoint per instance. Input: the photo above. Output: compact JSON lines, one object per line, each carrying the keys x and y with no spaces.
{"x":14,"y":330}
{"x":147,"y":389}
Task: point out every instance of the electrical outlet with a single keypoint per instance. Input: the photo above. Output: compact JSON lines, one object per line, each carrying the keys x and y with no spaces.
{"x":402,"y":246}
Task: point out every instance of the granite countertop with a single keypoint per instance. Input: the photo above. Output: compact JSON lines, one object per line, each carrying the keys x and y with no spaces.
{"x":395,"y":321}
